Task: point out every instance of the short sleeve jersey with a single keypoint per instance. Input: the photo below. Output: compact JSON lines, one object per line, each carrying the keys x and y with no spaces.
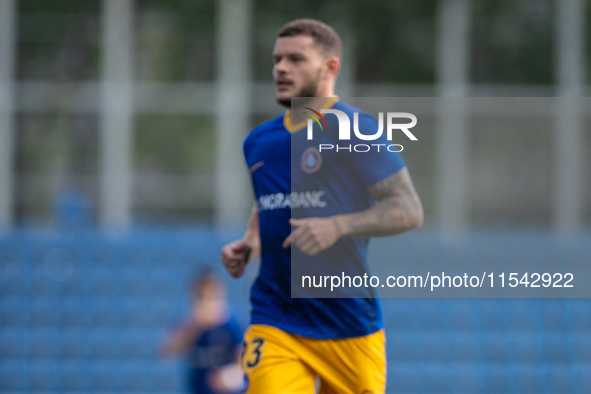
{"x":342,"y":182}
{"x":214,"y":348}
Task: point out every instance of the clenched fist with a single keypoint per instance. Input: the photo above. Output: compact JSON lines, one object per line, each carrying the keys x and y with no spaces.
{"x":235,"y":256}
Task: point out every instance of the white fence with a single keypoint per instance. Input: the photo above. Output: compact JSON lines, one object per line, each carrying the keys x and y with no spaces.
{"x":235,"y":97}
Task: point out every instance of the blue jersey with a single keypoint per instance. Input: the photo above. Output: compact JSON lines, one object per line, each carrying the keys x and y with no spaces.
{"x":268,"y":152}
{"x":213,"y":349}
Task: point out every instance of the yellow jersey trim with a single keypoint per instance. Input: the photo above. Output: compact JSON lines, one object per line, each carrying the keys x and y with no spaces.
{"x":287,"y":115}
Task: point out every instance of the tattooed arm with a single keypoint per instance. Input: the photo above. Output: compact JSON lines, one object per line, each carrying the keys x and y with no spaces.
{"x":398,"y":209}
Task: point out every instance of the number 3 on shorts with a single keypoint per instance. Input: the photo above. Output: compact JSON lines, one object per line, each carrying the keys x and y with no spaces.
{"x":254,"y":355}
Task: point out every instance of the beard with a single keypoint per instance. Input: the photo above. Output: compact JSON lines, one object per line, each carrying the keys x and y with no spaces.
{"x":309,"y":89}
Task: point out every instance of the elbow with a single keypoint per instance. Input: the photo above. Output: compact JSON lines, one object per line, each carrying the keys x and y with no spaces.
{"x":170,"y":348}
{"x":416,"y":222}
{"x":418,"y":216}
{"x":419,"y":221}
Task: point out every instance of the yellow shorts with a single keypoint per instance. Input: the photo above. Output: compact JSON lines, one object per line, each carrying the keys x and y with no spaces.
{"x":276,"y":362}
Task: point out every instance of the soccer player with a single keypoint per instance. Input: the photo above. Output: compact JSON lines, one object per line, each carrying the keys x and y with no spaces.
{"x":292,"y":341}
{"x":210,"y":336}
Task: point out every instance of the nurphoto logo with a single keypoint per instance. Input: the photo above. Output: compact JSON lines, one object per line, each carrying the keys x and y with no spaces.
{"x":345,"y":129}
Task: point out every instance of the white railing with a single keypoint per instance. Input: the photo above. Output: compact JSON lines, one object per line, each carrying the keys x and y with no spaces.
{"x":234,"y":98}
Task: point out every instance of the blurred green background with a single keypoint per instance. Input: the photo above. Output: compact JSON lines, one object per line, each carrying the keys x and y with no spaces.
{"x":391,"y":47}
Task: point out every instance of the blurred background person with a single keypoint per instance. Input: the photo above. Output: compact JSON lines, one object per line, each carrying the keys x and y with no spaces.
{"x":211,"y":337}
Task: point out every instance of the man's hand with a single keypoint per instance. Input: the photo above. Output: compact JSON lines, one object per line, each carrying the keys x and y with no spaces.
{"x":313,"y":235}
{"x":227,"y":379}
{"x":235,"y":256}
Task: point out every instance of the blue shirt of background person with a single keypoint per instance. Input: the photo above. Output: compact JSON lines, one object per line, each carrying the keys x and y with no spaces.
{"x":210,"y":337}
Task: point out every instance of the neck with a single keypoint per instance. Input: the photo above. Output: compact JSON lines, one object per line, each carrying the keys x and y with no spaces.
{"x":301,"y":108}
{"x":325,"y":90}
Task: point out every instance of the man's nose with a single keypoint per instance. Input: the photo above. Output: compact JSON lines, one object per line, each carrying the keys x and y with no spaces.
{"x":281,"y":67}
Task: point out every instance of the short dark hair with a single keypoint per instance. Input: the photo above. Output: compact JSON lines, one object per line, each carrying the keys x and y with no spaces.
{"x":204,"y":276}
{"x":323,"y":35}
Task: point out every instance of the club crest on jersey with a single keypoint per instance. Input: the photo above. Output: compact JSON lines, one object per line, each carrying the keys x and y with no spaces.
{"x":311,"y":160}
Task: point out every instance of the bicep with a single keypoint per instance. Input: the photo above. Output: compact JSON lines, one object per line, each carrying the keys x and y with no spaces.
{"x":378,"y":163}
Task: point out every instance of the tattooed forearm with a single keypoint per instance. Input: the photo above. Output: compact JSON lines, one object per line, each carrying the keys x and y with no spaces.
{"x":398,"y":209}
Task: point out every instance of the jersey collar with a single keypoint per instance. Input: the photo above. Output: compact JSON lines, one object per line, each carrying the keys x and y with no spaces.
{"x":287,"y":116}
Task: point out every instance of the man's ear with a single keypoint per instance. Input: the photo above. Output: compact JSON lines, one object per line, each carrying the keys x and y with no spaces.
{"x":333,"y":65}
